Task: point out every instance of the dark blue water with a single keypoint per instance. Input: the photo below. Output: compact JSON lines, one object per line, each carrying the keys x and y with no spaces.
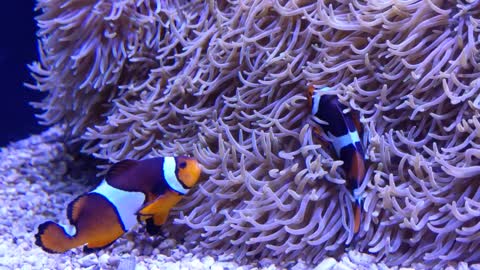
{"x":17,"y":49}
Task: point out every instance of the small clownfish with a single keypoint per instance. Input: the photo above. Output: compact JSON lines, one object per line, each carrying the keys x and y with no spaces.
{"x":132,"y":191}
{"x":343,"y":131}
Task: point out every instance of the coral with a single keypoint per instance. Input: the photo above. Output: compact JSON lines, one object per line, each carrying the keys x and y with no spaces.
{"x":225,"y":81}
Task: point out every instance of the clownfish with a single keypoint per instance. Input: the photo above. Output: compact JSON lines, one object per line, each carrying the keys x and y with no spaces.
{"x":343,"y":132}
{"x":132,"y":191}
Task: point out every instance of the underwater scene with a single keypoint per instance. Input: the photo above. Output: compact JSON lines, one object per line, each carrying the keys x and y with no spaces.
{"x":242,"y":134}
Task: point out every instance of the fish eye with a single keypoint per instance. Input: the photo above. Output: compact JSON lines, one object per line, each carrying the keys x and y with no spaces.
{"x":182,"y":165}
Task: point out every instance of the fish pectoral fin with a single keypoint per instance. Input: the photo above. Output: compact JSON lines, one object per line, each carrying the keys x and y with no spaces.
{"x":162,"y":204}
{"x":149,"y":209}
{"x":160,"y":218}
{"x":143,"y":217}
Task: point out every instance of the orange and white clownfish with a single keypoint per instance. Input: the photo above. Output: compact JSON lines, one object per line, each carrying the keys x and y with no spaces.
{"x":343,"y":131}
{"x":132,"y":190}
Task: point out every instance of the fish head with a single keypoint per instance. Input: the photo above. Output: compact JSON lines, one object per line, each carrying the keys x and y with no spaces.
{"x":188,"y":170}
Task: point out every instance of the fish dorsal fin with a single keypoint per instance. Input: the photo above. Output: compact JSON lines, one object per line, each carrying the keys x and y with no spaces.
{"x":119,"y":168}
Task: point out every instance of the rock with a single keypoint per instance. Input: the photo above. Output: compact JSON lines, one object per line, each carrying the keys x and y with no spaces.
{"x":161,"y":258}
{"x":167,"y":243}
{"x":300,"y":266}
{"x":127,"y":263}
{"x":475,"y":266}
{"x":208,"y":261}
{"x":3,"y":249}
{"x":361,"y":258}
{"x":26,"y":267}
{"x":88,"y":260}
{"x":216,"y":267}
{"x":23,"y":204}
{"x":463,"y":266}
{"x":141,"y":267}
{"x":327,"y":264}
{"x":114,"y":260}
{"x":171,"y":266}
{"x":103,"y":260}
{"x":195,"y":264}
{"x":147,"y":250}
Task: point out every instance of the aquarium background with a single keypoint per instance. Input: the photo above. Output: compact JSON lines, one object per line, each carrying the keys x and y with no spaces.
{"x":17,"y":49}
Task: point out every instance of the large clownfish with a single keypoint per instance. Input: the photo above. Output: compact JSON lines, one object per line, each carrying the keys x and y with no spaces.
{"x":343,"y":131}
{"x":132,"y":191}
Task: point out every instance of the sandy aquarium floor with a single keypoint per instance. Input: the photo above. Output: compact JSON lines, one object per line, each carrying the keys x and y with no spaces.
{"x":36,"y":185}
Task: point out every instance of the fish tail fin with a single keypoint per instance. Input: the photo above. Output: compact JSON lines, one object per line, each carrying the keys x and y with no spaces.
{"x":53,"y":238}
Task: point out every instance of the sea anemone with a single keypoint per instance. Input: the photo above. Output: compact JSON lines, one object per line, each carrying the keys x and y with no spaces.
{"x":225,"y":81}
